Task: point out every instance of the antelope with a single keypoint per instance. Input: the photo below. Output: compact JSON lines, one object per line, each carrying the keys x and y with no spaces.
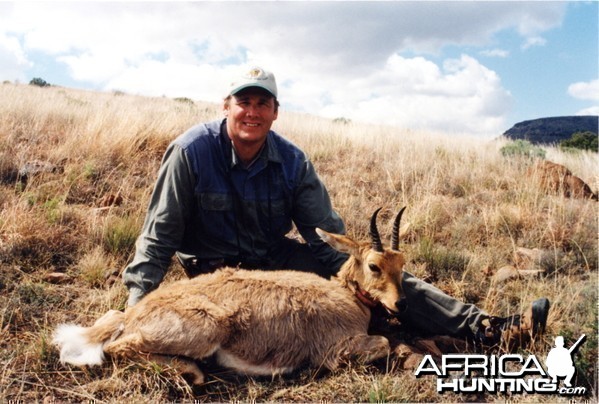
{"x":255,"y":322}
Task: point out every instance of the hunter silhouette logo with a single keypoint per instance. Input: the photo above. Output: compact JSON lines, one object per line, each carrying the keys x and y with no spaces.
{"x":559,"y":360}
{"x":509,"y":373}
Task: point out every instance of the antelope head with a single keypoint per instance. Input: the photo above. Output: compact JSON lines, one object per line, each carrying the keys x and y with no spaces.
{"x":373,"y":272}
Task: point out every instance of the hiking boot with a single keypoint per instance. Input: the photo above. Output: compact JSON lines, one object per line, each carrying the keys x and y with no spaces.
{"x":515,"y":331}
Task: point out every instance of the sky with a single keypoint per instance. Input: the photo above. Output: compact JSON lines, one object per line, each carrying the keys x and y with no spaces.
{"x":468,"y":67}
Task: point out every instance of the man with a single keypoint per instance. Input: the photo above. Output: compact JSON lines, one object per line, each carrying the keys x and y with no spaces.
{"x":229,"y":191}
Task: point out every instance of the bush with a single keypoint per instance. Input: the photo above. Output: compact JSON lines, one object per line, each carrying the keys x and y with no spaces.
{"x":441,"y":262}
{"x":522,"y":148}
{"x":581,"y":140}
{"x":120,"y":235}
{"x":342,"y":120}
{"x":185,"y":100}
{"x":36,"y":81}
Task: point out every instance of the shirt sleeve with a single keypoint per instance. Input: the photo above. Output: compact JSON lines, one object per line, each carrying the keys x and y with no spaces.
{"x":164,"y":226}
{"x":312,"y":208}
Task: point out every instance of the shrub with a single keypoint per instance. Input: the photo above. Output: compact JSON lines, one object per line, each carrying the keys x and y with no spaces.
{"x":185,"y":100}
{"x":581,"y":140}
{"x":36,"y":81}
{"x":342,"y":120}
{"x":522,"y":148}
{"x":441,"y":262}
{"x":120,"y":235}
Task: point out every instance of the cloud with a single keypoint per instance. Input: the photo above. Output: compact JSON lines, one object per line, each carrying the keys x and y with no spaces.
{"x":334,"y":58}
{"x":533,"y":41}
{"x":327,"y":35}
{"x":460,"y":96}
{"x":589,"y":111}
{"x":495,"y":53}
{"x":173,"y":79}
{"x":13,"y":60}
{"x":585,"y":90}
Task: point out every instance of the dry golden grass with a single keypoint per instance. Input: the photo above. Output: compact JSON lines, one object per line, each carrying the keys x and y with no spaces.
{"x":469,"y":209}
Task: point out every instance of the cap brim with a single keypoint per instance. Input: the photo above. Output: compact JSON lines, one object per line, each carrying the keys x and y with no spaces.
{"x":249,"y":85}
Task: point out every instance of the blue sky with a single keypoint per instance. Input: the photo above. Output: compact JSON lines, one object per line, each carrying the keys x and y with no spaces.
{"x":466,"y":67}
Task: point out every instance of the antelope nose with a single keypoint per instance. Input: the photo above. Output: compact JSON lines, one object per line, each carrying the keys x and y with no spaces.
{"x":401,"y":304}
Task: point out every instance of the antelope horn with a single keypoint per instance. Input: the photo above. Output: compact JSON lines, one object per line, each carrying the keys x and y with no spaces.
{"x":374,"y":233}
{"x":395,"y":233}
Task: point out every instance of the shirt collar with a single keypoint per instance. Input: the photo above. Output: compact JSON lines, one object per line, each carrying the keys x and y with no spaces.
{"x":269,"y":150}
{"x":235,"y":159}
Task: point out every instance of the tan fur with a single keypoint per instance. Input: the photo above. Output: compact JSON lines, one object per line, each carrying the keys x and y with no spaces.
{"x":555,"y":177}
{"x":260,"y":322}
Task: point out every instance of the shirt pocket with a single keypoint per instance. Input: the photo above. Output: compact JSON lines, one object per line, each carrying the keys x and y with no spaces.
{"x":216,"y":202}
{"x":216,"y":215}
{"x":280,"y":217}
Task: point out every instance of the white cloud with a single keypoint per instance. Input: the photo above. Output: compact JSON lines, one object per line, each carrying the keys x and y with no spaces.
{"x":172,"y":79}
{"x":13,"y":60}
{"x":585,"y":90}
{"x":461,"y":96}
{"x":325,"y":35}
{"x":589,"y":111}
{"x":495,"y":53}
{"x":533,"y":41}
{"x":336,"y":58}
{"x":96,"y":67}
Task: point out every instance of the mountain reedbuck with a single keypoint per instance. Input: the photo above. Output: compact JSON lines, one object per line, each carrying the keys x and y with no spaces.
{"x":255,"y":322}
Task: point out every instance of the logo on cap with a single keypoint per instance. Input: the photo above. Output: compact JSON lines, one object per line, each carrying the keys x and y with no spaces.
{"x":255,"y":73}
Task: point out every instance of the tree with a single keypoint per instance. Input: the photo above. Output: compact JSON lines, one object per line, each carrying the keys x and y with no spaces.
{"x":581,"y":140}
{"x":36,"y":81}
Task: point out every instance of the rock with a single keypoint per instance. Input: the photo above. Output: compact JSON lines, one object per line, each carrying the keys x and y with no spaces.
{"x":535,"y":258}
{"x":508,"y":272}
{"x":111,"y":277}
{"x":111,"y":200}
{"x":505,"y":273}
{"x":556,"y":178}
{"x":36,"y":167}
{"x":408,"y":357}
{"x":56,"y":277}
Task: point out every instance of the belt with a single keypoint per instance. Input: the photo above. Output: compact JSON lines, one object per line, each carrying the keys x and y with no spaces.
{"x":194,"y":266}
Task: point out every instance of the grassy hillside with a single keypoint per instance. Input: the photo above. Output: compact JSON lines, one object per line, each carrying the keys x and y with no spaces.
{"x":63,"y":242}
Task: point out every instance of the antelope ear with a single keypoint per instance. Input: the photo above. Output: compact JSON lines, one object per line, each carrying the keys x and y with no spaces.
{"x":339,"y":242}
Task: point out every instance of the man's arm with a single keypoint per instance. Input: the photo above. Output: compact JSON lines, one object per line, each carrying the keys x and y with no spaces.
{"x":162,"y":233}
{"x":312,"y":208}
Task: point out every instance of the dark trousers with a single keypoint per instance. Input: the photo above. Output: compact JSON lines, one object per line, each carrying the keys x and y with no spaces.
{"x":288,"y":254}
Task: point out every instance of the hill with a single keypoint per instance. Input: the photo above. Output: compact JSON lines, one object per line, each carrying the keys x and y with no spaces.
{"x":552,"y":130}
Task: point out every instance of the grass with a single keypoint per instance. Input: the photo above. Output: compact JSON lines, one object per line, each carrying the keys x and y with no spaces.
{"x":469,"y":207}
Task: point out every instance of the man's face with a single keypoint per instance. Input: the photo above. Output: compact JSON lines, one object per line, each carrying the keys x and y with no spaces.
{"x":250,"y":114}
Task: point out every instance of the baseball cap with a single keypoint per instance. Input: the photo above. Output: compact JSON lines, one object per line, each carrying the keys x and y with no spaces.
{"x":255,"y":77}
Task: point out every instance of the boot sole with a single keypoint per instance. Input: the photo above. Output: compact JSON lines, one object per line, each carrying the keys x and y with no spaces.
{"x":540,"y":311}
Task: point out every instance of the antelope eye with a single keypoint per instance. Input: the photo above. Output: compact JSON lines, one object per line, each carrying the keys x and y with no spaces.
{"x":374,"y":268}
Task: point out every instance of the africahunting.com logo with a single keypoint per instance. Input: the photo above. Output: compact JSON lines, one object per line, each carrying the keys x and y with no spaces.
{"x":511,"y":373}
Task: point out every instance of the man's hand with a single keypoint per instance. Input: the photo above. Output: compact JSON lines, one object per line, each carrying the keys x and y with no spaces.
{"x":135,"y":295}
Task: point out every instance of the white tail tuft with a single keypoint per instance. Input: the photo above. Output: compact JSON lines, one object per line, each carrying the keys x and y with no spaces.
{"x":75,"y":348}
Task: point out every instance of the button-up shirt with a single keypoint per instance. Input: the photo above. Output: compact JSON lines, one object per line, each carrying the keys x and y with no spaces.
{"x":207,"y":204}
